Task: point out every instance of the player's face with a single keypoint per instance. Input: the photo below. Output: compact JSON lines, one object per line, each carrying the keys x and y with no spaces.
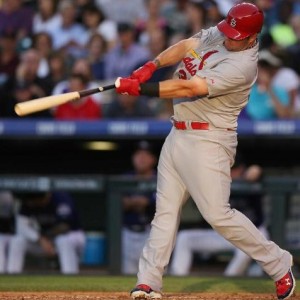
{"x":238,"y":45}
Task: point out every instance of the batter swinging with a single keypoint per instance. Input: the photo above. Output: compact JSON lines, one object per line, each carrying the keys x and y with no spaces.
{"x":210,"y":87}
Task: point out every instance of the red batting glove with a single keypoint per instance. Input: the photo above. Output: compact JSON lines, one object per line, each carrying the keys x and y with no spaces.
{"x":145,"y":72}
{"x":127,"y":86}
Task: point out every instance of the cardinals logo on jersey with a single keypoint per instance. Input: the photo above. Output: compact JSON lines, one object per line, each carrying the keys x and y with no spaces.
{"x":194,"y":63}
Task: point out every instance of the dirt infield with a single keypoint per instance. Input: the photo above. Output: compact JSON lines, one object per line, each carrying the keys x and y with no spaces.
{"x":119,"y":296}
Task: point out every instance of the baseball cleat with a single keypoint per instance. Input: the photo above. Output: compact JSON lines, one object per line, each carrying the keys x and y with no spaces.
{"x":285,"y":286}
{"x":144,"y":291}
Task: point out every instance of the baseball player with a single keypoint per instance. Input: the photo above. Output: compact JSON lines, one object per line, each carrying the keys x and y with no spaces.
{"x":211,"y":85}
{"x":47,"y":224}
{"x":8,"y":208}
{"x":138,"y":208}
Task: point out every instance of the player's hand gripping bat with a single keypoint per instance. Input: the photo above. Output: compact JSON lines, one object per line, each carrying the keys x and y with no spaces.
{"x":31,"y":106}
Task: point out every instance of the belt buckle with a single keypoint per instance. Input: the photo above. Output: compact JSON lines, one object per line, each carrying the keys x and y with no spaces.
{"x":188,"y":124}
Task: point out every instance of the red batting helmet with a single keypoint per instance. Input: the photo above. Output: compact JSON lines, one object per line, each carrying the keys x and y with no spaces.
{"x":242,"y":20}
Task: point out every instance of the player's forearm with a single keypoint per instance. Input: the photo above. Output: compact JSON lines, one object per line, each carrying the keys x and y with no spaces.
{"x":175,"y":53}
{"x":178,"y":88}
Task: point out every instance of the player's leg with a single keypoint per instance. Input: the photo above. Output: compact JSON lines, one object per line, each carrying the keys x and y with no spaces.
{"x":238,"y":264}
{"x":241,"y":262}
{"x":212,"y":201}
{"x":17,"y":248}
{"x":171,"y":195}
{"x":132,"y":246}
{"x":4,"y":239}
{"x":208,"y":182}
{"x":69,"y":248}
{"x":190,"y":241}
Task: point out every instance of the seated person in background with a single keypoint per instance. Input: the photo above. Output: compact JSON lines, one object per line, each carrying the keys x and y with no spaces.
{"x":205,"y":240}
{"x":47,"y":225}
{"x":138,"y":208}
{"x":85,"y":108}
{"x":7,"y":226}
{"x":267,"y":101}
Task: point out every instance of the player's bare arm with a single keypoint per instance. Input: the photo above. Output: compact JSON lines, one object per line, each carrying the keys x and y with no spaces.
{"x":167,"y":89}
{"x":170,"y":56}
{"x":178,"y":88}
{"x":175,"y":53}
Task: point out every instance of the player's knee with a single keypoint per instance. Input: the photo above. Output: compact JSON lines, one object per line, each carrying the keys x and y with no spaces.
{"x":17,"y":241}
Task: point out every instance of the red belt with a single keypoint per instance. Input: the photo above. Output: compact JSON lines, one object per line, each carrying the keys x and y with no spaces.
{"x":195,"y":125}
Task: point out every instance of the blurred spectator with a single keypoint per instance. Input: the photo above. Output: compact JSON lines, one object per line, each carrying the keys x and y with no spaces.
{"x":138,"y":207}
{"x":96,"y":50}
{"x":128,"y":107}
{"x":46,"y":17}
{"x":152,"y":23}
{"x":7,"y":226}
{"x":47,"y":225}
{"x":120,"y":11}
{"x":282,"y":32}
{"x":83,"y":67}
{"x":214,"y":14}
{"x":58,"y":69}
{"x":42,"y":42}
{"x":283,"y":77}
{"x":225,"y":5}
{"x":82,"y":109}
{"x":96,"y":22}
{"x":27,"y":84}
{"x":191,"y":241}
{"x":267,"y":101}
{"x":175,"y":14}
{"x":196,"y":12}
{"x":270,"y":10}
{"x":158,"y":41}
{"x":293,"y":51}
{"x":17,"y":19}
{"x":80,"y":7}
{"x":126,"y":55}
{"x":9,"y":61}
{"x":9,"y":58}
{"x":70,"y":37}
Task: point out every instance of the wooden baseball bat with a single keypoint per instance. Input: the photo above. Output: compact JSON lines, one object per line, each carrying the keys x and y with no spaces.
{"x":31,"y":106}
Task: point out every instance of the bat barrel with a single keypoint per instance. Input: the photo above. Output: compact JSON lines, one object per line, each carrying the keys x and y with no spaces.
{"x":32,"y":106}
{"x":39,"y":104}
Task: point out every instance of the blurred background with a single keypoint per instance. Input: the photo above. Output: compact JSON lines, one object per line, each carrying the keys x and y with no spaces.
{"x":86,"y":149}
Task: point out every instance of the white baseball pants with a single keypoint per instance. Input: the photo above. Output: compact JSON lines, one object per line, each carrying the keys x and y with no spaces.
{"x":197,"y":163}
{"x":207,"y":241}
{"x":4,"y":248}
{"x":69,"y":248}
{"x":132,"y":246}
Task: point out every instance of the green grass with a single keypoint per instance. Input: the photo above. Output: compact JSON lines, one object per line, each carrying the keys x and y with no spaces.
{"x":125,"y":283}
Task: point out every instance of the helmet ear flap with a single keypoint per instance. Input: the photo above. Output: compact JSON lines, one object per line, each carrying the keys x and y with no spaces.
{"x":243,"y":19}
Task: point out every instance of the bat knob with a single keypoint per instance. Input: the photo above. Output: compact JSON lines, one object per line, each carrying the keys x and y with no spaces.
{"x":117,"y":82}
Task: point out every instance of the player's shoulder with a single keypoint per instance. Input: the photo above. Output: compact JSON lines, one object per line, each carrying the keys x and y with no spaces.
{"x":210,"y":35}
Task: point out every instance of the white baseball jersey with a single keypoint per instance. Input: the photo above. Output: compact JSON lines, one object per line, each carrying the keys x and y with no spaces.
{"x":229,"y":77}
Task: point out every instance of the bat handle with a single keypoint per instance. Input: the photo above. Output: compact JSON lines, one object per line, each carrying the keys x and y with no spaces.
{"x":85,"y":93}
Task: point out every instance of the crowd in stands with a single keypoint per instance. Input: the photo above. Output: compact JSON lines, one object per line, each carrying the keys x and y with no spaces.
{"x":52,"y":47}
